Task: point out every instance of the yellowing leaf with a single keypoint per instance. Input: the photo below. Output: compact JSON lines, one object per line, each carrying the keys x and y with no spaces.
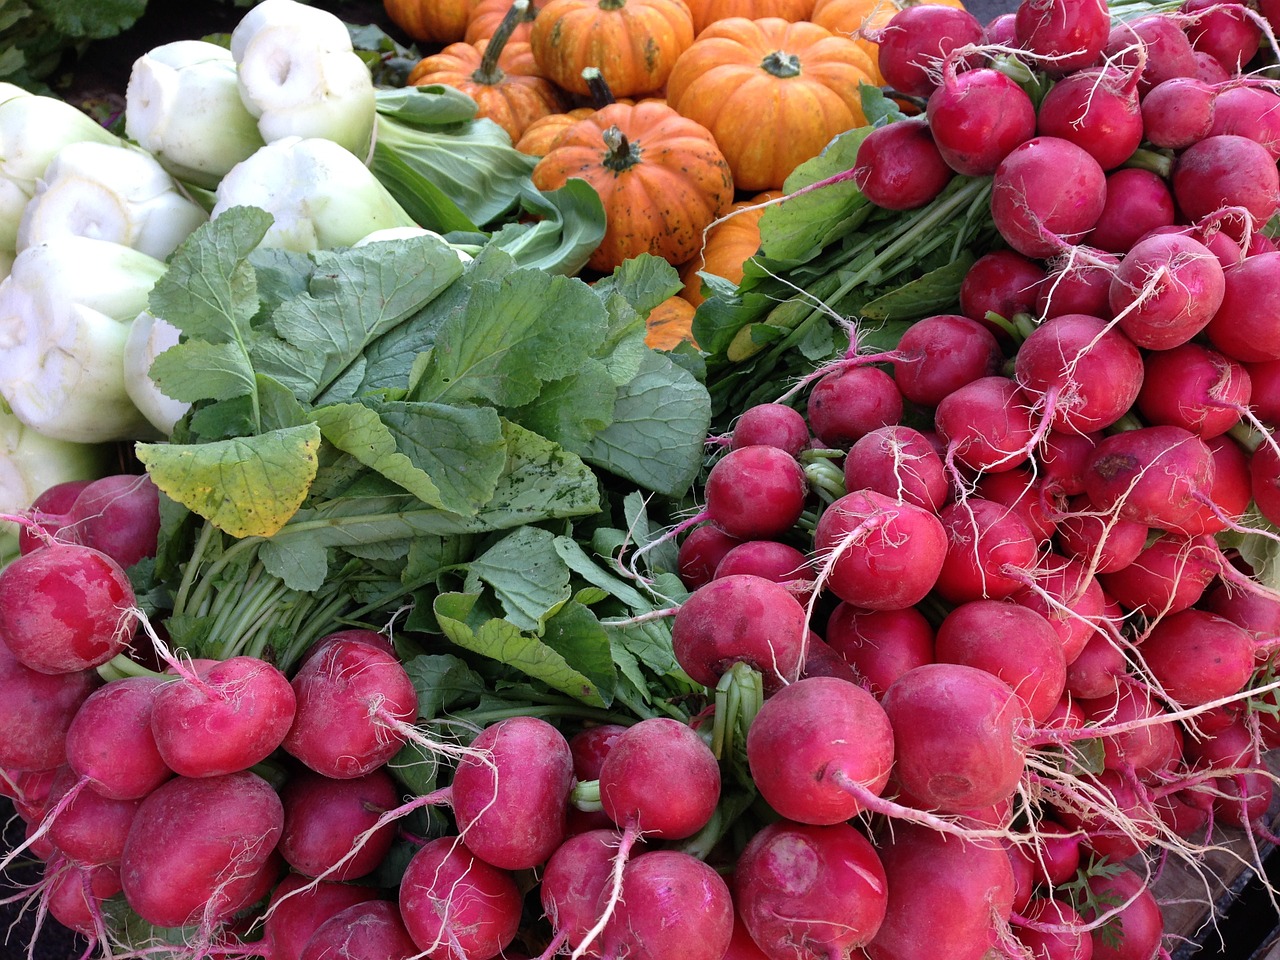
{"x":244,"y":486}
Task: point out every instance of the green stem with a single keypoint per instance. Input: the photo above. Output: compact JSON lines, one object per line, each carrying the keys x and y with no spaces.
{"x":191,"y":567}
{"x":562,"y":710}
{"x":489,"y":73}
{"x":201,"y":594}
{"x":121,"y":666}
{"x":826,"y":478}
{"x":585,"y":795}
{"x":1158,"y":163}
{"x":1245,"y":435}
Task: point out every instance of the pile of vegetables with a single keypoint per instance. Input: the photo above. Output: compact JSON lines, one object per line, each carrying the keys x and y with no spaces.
{"x":443,"y":607}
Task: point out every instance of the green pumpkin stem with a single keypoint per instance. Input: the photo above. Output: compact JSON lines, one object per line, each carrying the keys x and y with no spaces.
{"x":489,"y":73}
{"x":781,"y":64}
{"x":623,"y":154}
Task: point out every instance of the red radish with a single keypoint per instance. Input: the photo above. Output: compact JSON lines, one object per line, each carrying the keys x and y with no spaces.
{"x":90,"y":597}
{"x":510,"y":792}
{"x":1062,"y":35}
{"x":947,"y":896}
{"x":292,"y":917}
{"x":660,"y":779}
{"x":1012,"y":642}
{"x":1195,"y":388}
{"x":324,"y":817}
{"x":1197,"y":657}
{"x":455,"y":906}
{"x":1054,"y":931}
{"x":372,"y":638}
{"x":1178,"y":112}
{"x":1077,"y":282}
{"x":771,"y":424}
{"x":851,"y":402}
{"x":915,"y":42}
{"x":957,"y":734}
{"x":77,"y":891}
{"x":803,"y":760}
{"x":36,"y":710}
{"x":779,"y":562}
{"x":821,"y":660}
{"x":1063,"y":458}
{"x":740,"y":618}
{"x":368,"y":930}
{"x":1054,"y":854}
{"x":987,"y":425}
{"x":880,"y":645}
{"x":940,"y":354}
{"x":85,"y":825}
{"x":1165,"y":50}
{"x":1096,"y":109}
{"x":1251,"y":293}
{"x":978,"y":116}
{"x":1138,"y":201}
{"x":352,"y":702}
{"x":1001,"y":282}
{"x":672,"y":907}
{"x":1103,"y":542}
{"x":1135,"y":746}
{"x":756,"y":492}
{"x":197,"y":848}
{"x":1225,"y":31}
{"x":49,"y":510}
{"x":1171,"y":574}
{"x":1259,"y":615}
{"x":1265,"y":396}
{"x":1136,"y":932}
{"x":1021,"y":491}
{"x":806,"y":891}
{"x":225,"y":718}
{"x":574,"y":881}
{"x":1248,"y":112}
{"x":110,"y":741}
{"x":1226,"y":171}
{"x":1089,"y":374}
{"x":1232,"y":491}
{"x":899,"y":166}
{"x":1156,"y":476}
{"x":1047,"y":193}
{"x":898,"y":462}
{"x":1166,"y":290}
{"x":989,"y":551}
{"x":1066,"y":594}
{"x":701,"y":552}
{"x":588,"y":748}
{"x":878,"y":553}
{"x":119,"y":515}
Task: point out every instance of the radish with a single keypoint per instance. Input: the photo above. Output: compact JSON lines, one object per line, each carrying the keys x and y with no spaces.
{"x":65,"y":608}
{"x":1095,"y":109}
{"x":978,"y":116}
{"x":76,"y":893}
{"x":878,"y":553}
{"x":987,"y":424}
{"x":1229,"y":497}
{"x":1063,"y":458}
{"x":226,"y":717}
{"x":807,"y":891}
{"x":1178,"y":112}
{"x":1264,"y":377}
{"x":1226,"y":171}
{"x":769,"y":559}
{"x":899,"y":166}
{"x":851,"y":402}
{"x":1138,"y":201}
{"x":989,"y":551}
{"x":1251,"y":291}
{"x":1062,"y":35}
{"x":898,"y":462}
{"x":672,"y":907}
{"x":455,"y":906}
{"x":1166,"y":290}
{"x":36,"y":710}
{"x":1197,"y":657}
{"x":1103,"y":542}
{"x":1248,"y":112}
{"x":1003,"y":283}
{"x":701,"y":552}
{"x":119,"y":515}
{"x":771,"y":424}
{"x":803,"y":757}
{"x":957,"y":736}
{"x":1156,"y":476}
{"x":110,"y":741}
{"x":740,"y":619}
{"x":85,"y":825}
{"x":1047,"y":193}
{"x":298,"y":907}
{"x":368,"y":930}
{"x":1021,"y":491}
{"x":1053,"y":930}
{"x":1196,"y":388}
{"x":1225,"y":31}
{"x":354,"y":702}
{"x":755,"y":492}
{"x":510,"y":792}
{"x":574,"y":881}
{"x":49,"y":512}
{"x":940,"y":354}
{"x":1135,"y":932}
{"x":324,"y":817}
{"x":1170,"y":575}
{"x":199,"y":848}
{"x":915,"y":42}
{"x":1078,"y":281}
{"x":880,"y":645}
{"x":1065,"y":593}
{"x":1165,"y":51}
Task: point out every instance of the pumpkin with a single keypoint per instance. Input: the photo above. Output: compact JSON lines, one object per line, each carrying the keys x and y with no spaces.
{"x":660,"y":176}
{"x":849,"y":18}
{"x":487,"y":14}
{"x":541,"y":135}
{"x":772,"y":93}
{"x":502,"y":78}
{"x":669,"y":324}
{"x":633,"y":42}
{"x":430,"y":21}
{"x":707,"y":12}
{"x":729,"y":244}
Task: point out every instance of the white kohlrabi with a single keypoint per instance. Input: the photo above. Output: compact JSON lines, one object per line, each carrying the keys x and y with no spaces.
{"x":320,"y":195}
{"x":148,"y":338}
{"x":65,"y":313}
{"x":32,"y":130}
{"x":183,"y":106}
{"x":401,"y":233}
{"x":300,"y":76}
{"x":108,"y":192}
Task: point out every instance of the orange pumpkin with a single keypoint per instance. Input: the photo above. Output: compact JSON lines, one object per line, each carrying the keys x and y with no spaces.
{"x":669,"y":324}
{"x":707,"y":12}
{"x":633,"y":42}
{"x":430,"y":21}
{"x":501,"y":77}
{"x":729,"y":244}
{"x":487,"y":14}
{"x":541,"y":135}
{"x":773,"y":93}
{"x":661,"y":177}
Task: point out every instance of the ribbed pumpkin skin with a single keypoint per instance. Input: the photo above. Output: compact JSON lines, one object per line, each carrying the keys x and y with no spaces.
{"x":539,"y":136}
{"x":487,"y":14}
{"x":669,"y":323}
{"x":520,"y":96}
{"x":634,"y":43}
{"x":768,"y":124}
{"x":730,"y":243}
{"x":707,"y":12}
{"x":430,"y":21}
{"x":662,"y":202}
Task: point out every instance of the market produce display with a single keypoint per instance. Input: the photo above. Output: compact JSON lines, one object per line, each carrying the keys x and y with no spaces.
{"x":819,"y":500}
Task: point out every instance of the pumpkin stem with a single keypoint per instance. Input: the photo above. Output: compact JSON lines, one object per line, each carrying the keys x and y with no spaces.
{"x":781,"y":64}
{"x":489,"y":73}
{"x":623,"y":154}
{"x":598,"y":87}
{"x":612,"y":4}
